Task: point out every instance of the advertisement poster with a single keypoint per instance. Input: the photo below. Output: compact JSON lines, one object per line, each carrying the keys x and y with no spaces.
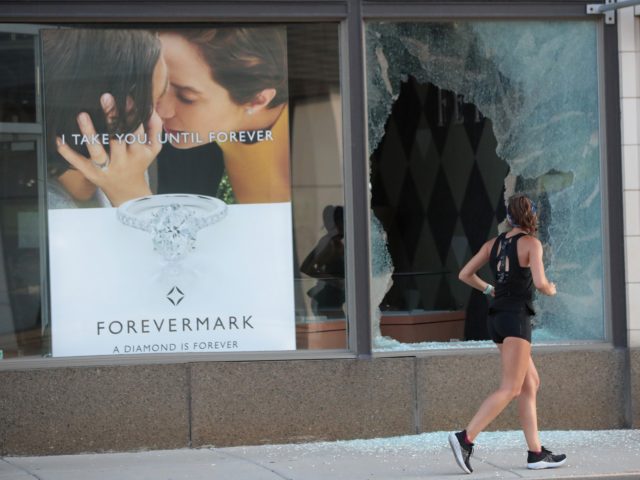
{"x":168,"y":189}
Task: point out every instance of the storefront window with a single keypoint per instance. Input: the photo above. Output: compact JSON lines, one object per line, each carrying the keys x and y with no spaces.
{"x":22,"y":330}
{"x":189,"y":176}
{"x":462,"y":115}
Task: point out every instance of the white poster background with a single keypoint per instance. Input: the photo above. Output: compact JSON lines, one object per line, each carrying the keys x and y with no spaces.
{"x":110,"y":291}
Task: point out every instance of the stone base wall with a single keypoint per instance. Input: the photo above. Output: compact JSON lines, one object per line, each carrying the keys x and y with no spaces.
{"x":122,"y":408}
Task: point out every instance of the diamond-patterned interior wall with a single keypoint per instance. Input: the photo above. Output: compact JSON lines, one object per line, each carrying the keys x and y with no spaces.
{"x":438,"y":190}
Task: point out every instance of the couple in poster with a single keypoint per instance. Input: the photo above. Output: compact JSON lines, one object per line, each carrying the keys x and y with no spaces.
{"x":187,"y":86}
{"x":114,"y":100}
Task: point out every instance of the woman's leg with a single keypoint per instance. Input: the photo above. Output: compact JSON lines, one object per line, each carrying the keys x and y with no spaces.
{"x":527,"y":408}
{"x":515,"y":357}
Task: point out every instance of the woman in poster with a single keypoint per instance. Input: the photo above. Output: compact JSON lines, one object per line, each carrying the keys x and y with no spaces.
{"x":89,"y":72}
{"x":227,"y":85}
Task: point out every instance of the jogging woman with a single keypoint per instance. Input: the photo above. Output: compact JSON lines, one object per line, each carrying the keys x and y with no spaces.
{"x":515,"y":258}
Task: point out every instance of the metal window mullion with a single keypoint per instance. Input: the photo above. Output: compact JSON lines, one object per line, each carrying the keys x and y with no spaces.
{"x":356,"y":174}
{"x":192,"y":12}
{"x":21,"y":128}
{"x":415,"y":10}
{"x":611,"y":5}
{"x":613,"y":231}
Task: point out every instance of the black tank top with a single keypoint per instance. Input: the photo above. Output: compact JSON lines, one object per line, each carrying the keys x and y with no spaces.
{"x":514,"y":285}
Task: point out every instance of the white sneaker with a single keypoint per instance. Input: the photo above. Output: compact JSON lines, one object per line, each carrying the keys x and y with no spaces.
{"x":545,"y":459}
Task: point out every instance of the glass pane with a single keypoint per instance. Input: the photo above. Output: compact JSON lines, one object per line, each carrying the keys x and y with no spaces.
{"x":318,"y":186}
{"x":17,"y":78}
{"x":21,"y":331}
{"x":461,"y":116}
{"x":199,"y":246}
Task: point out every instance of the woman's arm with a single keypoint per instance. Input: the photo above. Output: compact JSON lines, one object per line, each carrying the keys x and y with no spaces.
{"x":537,"y":268}
{"x":468,"y":273}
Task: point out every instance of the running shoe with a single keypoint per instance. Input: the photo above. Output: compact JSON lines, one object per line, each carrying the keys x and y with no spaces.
{"x":545,"y":459}
{"x":461,"y":450}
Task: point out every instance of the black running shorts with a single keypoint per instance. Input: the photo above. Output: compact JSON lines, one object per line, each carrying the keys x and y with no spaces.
{"x":502,"y":324}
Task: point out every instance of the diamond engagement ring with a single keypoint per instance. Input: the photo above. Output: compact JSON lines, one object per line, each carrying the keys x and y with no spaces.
{"x":102,"y":166}
{"x":172,"y":219}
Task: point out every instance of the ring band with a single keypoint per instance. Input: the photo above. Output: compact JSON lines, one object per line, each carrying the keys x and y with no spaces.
{"x":172,"y":219}
{"x":102,"y":166}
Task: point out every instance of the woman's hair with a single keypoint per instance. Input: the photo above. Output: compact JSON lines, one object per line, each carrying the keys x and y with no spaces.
{"x":521,"y":212}
{"x":80,"y":65}
{"x":244,"y":60}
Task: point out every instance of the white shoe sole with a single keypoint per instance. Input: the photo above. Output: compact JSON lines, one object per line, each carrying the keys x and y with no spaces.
{"x":543,"y":465}
{"x":457,"y":452}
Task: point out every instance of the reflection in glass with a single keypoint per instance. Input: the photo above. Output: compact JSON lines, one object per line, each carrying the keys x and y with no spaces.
{"x":17,"y":78}
{"x":318,"y":186}
{"x":462,"y":115}
{"x":20,"y":315}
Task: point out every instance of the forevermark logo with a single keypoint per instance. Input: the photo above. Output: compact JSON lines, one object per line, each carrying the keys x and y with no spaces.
{"x":175,"y":295}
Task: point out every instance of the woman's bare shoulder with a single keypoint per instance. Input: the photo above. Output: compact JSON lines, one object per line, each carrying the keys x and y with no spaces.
{"x":529,"y":242}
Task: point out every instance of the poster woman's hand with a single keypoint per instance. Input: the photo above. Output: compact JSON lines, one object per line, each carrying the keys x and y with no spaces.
{"x":121,"y":174}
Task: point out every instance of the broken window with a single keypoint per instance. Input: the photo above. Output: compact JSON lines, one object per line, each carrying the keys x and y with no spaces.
{"x":462,"y":115}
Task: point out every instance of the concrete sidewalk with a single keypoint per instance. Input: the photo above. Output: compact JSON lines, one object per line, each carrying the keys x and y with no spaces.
{"x":612,"y":454}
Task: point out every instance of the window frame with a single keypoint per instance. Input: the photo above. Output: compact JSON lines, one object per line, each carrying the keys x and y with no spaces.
{"x":88,"y":13}
{"x":351,"y":16}
{"x":615,"y":330}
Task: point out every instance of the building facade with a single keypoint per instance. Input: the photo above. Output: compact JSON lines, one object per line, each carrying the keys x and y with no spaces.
{"x":265,"y":247}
